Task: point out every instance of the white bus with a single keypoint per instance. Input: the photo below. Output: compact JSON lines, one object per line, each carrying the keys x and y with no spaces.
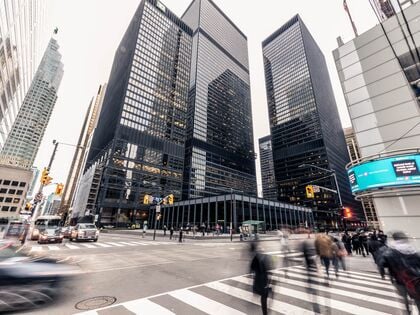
{"x":43,"y":222}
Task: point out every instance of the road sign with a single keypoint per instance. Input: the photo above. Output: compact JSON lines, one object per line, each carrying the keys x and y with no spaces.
{"x":158,"y":209}
{"x":316,"y":188}
{"x":38,"y":197}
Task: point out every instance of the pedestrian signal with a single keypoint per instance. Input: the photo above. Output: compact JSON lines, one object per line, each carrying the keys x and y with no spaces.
{"x":309,"y":191}
{"x":59,"y":189}
{"x":171,"y":199}
{"x":146,"y":199}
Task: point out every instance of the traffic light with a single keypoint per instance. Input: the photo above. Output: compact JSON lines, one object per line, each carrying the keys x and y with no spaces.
{"x":146,"y":199}
{"x":171,"y":199}
{"x":45,"y":178}
{"x":309,"y":191}
{"x":59,"y":189}
{"x":28,"y":206}
{"x":347,"y":213}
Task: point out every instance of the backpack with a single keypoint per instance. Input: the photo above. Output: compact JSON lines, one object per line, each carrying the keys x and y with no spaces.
{"x":409,"y":274}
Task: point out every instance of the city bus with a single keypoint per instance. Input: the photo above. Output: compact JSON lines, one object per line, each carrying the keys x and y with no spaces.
{"x":43,"y":222}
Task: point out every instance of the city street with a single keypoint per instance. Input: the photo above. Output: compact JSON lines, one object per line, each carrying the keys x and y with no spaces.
{"x":142,"y":276}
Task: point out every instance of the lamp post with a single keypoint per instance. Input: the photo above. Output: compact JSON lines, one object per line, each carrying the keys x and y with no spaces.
{"x":332,"y":172}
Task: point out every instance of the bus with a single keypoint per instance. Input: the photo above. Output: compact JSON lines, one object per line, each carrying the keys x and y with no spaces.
{"x":43,"y":222}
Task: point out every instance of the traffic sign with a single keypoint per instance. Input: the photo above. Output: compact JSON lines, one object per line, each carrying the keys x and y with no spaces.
{"x":316,"y":188}
{"x":38,"y":197}
{"x":158,"y":209}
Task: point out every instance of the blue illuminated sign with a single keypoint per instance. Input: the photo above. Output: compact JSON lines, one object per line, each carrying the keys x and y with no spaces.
{"x":391,"y":172}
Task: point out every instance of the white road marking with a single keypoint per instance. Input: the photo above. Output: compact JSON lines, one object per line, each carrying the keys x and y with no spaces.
{"x":52,"y":247}
{"x":144,"y":306}
{"x":71,"y":246}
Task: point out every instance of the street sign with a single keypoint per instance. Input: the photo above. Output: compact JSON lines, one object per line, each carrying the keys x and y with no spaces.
{"x":158,"y":209}
{"x":316,"y":188}
{"x":38,"y":197}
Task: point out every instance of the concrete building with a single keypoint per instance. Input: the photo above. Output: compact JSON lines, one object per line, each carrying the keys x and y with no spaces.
{"x":379,"y":75}
{"x":83,"y":146}
{"x":14,"y":184}
{"x":304,"y":123}
{"x":220,"y":147}
{"x":268,"y":180}
{"x":22,"y":41}
{"x":28,"y":129}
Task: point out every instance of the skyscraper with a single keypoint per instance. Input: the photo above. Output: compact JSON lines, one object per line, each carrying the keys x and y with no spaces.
{"x":25,"y":137}
{"x":304,"y":122}
{"x":219,"y":149}
{"x":268,"y":180}
{"x":140,"y":136}
{"x":22,"y":42}
{"x":83,"y":144}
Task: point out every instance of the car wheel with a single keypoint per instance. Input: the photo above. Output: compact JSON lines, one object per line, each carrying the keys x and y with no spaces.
{"x":95,"y":240}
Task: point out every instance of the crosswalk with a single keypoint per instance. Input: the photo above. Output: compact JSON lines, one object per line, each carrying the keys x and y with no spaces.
{"x":295,"y":291}
{"x":72,"y":246}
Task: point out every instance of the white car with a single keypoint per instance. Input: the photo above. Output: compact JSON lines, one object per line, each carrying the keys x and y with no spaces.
{"x":84,"y":231}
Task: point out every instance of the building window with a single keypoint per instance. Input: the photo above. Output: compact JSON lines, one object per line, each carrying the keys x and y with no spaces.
{"x":14,"y":183}
{"x":12,"y":191}
{"x":8,"y":200}
{"x":22,"y":184}
{"x":13,"y":209}
{"x":3,"y":190}
{"x":16,"y":200}
{"x":1,"y":199}
{"x":5,"y":209}
{"x":6,"y":182}
{"x":19,"y":192}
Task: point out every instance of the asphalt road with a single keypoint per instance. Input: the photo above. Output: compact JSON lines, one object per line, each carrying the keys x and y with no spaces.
{"x":208,"y":277}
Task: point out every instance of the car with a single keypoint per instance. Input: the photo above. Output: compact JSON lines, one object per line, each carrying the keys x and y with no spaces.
{"x":67,"y":231}
{"x":26,"y":284}
{"x":84,"y":231}
{"x":50,"y":235}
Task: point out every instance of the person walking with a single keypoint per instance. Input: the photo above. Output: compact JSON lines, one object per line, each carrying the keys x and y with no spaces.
{"x":171,"y":232}
{"x":323,"y":246}
{"x":376,"y":248}
{"x":164,"y":230}
{"x":259,"y":268}
{"x":356,"y":243}
{"x":346,"y":239}
{"x":364,"y":244}
{"x":180,"y":235}
{"x":403,"y":263}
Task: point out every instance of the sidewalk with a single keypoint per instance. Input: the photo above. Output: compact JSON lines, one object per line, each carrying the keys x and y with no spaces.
{"x":208,"y":236}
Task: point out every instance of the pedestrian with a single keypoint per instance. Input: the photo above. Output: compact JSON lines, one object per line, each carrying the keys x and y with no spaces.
{"x":144,"y":230}
{"x":340,"y":255}
{"x":346,"y":239}
{"x":403,"y":263}
{"x":364,"y":243}
{"x":259,"y":268}
{"x":323,"y":246}
{"x":382,"y":237}
{"x":171,"y":232}
{"x":180,"y":235}
{"x":164,"y":230}
{"x":377,"y":248}
{"x":356,"y":243}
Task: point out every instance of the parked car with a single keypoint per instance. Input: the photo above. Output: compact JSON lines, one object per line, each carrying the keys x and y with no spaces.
{"x":50,"y":235}
{"x":67,"y":231}
{"x":84,"y":231}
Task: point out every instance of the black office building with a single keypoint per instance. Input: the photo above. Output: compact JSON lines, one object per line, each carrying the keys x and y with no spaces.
{"x":304,"y":122}
{"x":220,"y":154}
{"x":268,"y":180}
{"x":140,"y":137}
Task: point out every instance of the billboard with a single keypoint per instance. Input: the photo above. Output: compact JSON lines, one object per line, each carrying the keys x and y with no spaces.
{"x":390,"y":172}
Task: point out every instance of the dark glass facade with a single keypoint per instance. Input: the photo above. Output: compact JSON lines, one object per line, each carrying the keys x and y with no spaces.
{"x":141,"y":132}
{"x":219,"y":149}
{"x":304,"y":122}
{"x":268,"y":179}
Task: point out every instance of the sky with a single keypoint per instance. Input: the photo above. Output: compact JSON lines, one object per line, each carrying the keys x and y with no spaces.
{"x":90,"y":32}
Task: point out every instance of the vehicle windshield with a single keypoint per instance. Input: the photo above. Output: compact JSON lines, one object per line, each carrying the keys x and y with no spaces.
{"x":87,"y":226}
{"x":47,"y":223}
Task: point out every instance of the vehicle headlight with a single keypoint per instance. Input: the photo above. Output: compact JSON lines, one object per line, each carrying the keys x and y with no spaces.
{"x":80,"y":233}
{"x":97,"y":232}
{"x":36,"y":232}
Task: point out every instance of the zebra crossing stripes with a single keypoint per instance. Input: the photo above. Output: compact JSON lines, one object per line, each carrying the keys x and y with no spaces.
{"x":293,"y":293}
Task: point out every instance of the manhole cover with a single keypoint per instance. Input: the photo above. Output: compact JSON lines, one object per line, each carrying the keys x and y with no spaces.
{"x":95,"y":302}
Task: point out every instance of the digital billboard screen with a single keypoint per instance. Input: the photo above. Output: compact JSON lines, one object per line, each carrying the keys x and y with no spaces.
{"x":390,"y":172}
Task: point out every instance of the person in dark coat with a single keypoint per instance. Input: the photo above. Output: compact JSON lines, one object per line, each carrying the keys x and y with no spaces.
{"x":355,"y":241}
{"x":374,"y":245}
{"x":171,"y":232}
{"x":180,"y":235}
{"x":364,"y":244}
{"x":260,"y":267}
{"x":346,"y":239}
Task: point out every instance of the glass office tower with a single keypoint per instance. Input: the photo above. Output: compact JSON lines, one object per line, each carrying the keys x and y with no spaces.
{"x":22,"y":43}
{"x":25,"y":137}
{"x":220,"y":154}
{"x":304,"y":122}
{"x":140,"y":137}
{"x":269,"y":188}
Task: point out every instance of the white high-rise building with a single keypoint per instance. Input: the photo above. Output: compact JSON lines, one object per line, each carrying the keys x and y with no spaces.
{"x":22,"y":42}
{"x":29,"y":127}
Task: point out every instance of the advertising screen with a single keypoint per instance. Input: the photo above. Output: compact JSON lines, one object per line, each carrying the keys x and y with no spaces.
{"x":390,"y":172}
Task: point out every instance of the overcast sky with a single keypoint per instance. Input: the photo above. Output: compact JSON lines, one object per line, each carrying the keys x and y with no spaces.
{"x":90,"y":31}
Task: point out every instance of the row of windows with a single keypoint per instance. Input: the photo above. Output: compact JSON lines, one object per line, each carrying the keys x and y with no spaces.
{"x":9,"y":200}
{"x":11,"y":191}
{"x":6,"y":182}
{"x":6,"y":208}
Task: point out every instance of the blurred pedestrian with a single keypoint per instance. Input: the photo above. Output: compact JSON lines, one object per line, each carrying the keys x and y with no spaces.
{"x":259,"y":268}
{"x":180,"y":235}
{"x":356,"y":243}
{"x":364,"y":244}
{"x":164,"y":230}
{"x":403,"y":263}
{"x":346,"y":239}
{"x":171,"y":232}
{"x":377,"y":248}
{"x":382,"y":237}
{"x":323,"y":246}
{"x":341,"y":253}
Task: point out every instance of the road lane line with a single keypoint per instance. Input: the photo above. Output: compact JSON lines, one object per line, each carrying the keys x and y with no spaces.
{"x":88,"y":245}
{"x":203,"y":303}
{"x":53,"y":247}
{"x":144,"y":306}
{"x":71,"y":246}
{"x":370,"y":275}
{"x":114,"y":244}
{"x":36,"y":249}
{"x":103,"y":245}
{"x":140,"y":243}
{"x":126,"y":243}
